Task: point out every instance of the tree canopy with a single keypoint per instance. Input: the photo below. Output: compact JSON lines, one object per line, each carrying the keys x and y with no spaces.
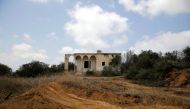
{"x":4,"y":70}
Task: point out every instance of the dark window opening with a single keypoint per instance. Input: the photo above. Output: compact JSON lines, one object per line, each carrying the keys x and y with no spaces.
{"x":86,"y":64}
{"x":103,"y":63}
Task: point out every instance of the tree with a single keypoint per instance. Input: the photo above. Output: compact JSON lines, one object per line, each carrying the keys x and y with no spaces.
{"x":33,"y":69}
{"x":129,"y":57}
{"x":71,"y":66}
{"x":171,"y":56}
{"x":60,"y":66}
{"x":116,"y":61}
{"x":186,"y":52}
{"x":57,"y":68}
{"x":129,"y":60}
{"x":53,"y":68}
{"x":4,"y":70}
{"x":147,"y":59}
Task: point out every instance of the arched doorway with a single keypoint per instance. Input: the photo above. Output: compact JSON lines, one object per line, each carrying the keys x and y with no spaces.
{"x":69,"y":63}
{"x":86,"y":64}
{"x":79,"y":64}
{"x":93,"y":63}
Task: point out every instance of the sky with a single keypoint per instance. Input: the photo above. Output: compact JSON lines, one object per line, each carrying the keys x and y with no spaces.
{"x":45,"y":30}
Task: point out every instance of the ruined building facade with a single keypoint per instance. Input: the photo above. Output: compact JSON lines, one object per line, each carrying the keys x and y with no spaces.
{"x":90,"y":61}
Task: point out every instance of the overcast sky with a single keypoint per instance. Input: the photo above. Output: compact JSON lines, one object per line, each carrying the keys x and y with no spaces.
{"x":47,"y":29}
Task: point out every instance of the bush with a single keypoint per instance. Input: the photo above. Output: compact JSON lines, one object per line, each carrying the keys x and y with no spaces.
{"x":152,"y":67}
{"x":147,"y":59}
{"x":149,"y":74}
{"x":149,"y":65}
{"x":32,"y":69}
{"x":60,"y":66}
{"x":89,"y":73}
{"x":186,"y":52}
{"x":115,"y":61}
{"x":71,"y":66}
{"x":108,"y":71}
{"x":143,"y":74}
{"x":56,"y":68}
{"x":163,"y":65}
{"x":4,"y":70}
{"x":53,"y":68}
{"x":131,"y":73}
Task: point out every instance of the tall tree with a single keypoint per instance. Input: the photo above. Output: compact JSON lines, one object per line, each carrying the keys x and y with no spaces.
{"x":4,"y":69}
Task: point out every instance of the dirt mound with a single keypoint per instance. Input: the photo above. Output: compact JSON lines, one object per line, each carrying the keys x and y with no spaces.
{"x":52,"y":96}
{"x":71,"y":92}
{"x":124,"y":94}
{"x":177,"y":78}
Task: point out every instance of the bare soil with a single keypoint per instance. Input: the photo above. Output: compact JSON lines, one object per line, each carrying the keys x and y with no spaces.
{"x":77,"y":92}
{"x":178,"y":78}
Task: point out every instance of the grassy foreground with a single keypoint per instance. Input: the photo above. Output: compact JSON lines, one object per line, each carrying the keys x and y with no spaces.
{"x":115,"y":92}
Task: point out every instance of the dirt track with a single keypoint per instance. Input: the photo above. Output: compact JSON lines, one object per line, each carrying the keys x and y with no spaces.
{"x":72,"y":92}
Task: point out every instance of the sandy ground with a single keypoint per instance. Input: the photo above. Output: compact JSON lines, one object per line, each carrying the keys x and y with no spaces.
{"x":71,"y":92}
{"x":52,"y":96}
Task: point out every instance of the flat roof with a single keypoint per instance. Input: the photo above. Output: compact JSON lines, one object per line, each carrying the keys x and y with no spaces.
{"x":97,"y":53}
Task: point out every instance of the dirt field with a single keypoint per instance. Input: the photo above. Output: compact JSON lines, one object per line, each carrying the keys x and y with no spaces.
{"x":77,"y":92}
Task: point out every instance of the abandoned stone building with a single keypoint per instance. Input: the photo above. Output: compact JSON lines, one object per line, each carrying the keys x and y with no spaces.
{"x":90,"y":61}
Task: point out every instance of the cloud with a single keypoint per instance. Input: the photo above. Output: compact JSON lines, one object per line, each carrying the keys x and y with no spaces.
{"x":52,"y":35}
{"x":22,"y":53}
{"x":92,"y":27}
{"x":46,"y":1}
{"x":24,"y":36}
{"x":164,"y":42}
{"x":39,"y":1}
{"x":157,"y":7}
{"x":25,"y":51}
{"x":69,"y":50}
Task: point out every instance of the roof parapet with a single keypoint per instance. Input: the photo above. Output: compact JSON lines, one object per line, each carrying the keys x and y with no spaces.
{"x":99,"y":51}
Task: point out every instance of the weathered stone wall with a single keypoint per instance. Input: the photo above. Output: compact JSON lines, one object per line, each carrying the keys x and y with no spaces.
{"x":95,"y":59}
{"x":103,"y":58}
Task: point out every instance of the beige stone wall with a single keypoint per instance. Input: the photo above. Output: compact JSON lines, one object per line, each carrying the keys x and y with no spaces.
{"x":95,"y":59}
{"x":93,"y":63}
{"x":79,"y":63}
{"x":103,"y":58}
{"x":66,"y":61}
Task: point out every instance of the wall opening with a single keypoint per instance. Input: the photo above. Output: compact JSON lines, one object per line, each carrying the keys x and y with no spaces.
{"x":86,"y":64}
{"x":71,"y":64}
{"x":78,"y":62}
{"x":103,"y":63}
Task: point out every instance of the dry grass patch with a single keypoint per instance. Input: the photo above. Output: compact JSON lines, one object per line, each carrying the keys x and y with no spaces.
{"x":114,"y":90}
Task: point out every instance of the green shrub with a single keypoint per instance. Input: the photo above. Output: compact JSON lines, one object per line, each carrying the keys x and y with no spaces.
{"x":108,"y":71}
{"x":89,"y":73}
{"x":147,"y":59}
{"x":116,"y":61}
{"x":131,"y":73}
{"x":149,"y":74}
{"x":152,"y":67}
{"x":57,"y":68}
{"x":143,"y":74}
{"x":4,"y":70}
{"x":32,"y":69}
{"x":71,"y":66}
{"x":186,"y":58}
